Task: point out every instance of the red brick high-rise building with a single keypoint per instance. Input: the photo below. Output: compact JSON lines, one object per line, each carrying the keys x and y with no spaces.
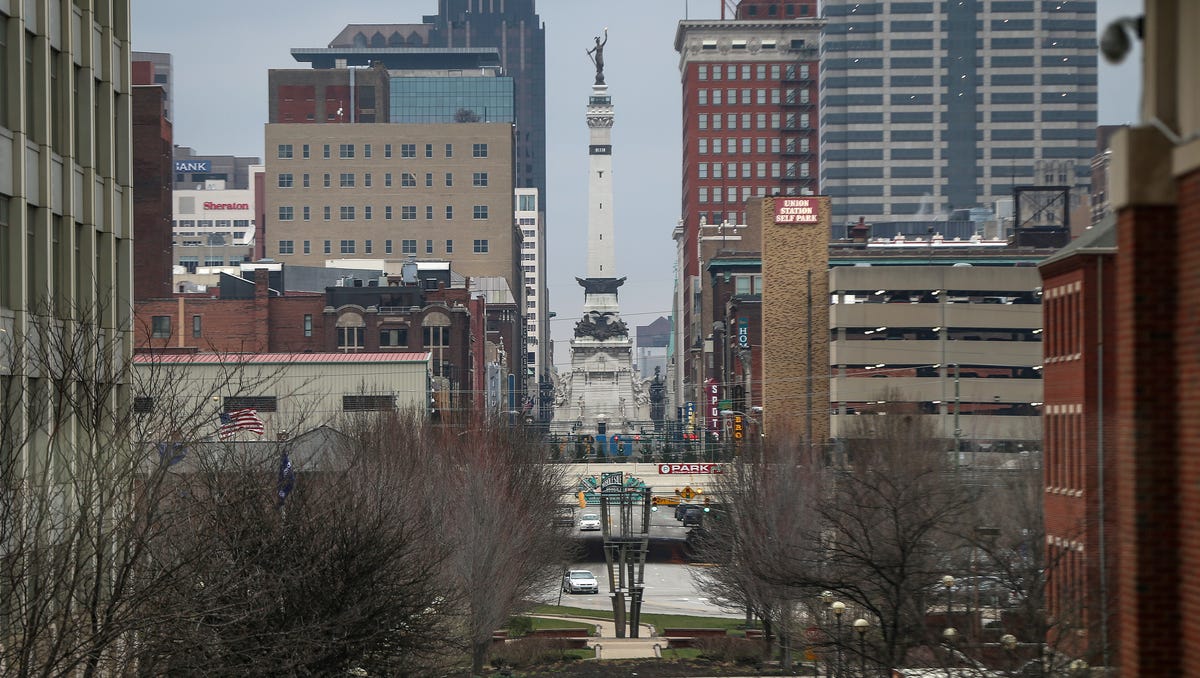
{"x":749,"y":130}
{"x":152,"y":139}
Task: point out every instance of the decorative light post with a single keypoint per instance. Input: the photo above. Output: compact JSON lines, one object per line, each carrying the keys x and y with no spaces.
{"x":827,"y":601}
{"x":1009,"y":642}
{"x":861,"y":625}
{"x":948,"y":582}
{"x":949,"y":635}
{"x":838,"y":608}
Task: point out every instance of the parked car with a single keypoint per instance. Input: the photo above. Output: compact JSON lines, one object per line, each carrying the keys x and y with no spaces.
{"x":579,"y":581}
{"x":589,"y":521}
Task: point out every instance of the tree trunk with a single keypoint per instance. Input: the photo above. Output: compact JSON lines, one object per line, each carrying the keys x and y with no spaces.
{"x":479,"y":653}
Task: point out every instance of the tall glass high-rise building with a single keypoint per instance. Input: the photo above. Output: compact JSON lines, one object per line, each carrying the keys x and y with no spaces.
{"x":927,"y":107}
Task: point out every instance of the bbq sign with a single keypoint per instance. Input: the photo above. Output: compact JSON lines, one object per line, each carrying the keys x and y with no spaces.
{"x":797,"y":211}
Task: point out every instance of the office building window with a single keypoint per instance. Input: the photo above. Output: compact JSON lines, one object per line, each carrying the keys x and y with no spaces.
{"x":703,"y":194}
{"x":366,"y":212}
{"x":345,"y":151}
{"x":408,"y":212}
{"x":285,"y":180}
{"x":449,"y":150}
{"x":367,"y":247}
{"x":346,"y":180}
{"x":449,"y":211}
{"x":286,"y":247}
{"x":325,"y":151}
{"x":702,"y":170}
{"x":308,"y":324}
{"x":326,"y":209}
{"x":408,"y":180}
{"x":429,"y":180}
{"x":305,"y":179}
{"x":449,"y":179}
{"x":702,"y":121}
{"x":160,"y":327}
{"x":366,"y":150}
{"x":479,"y":150}
{"x":702,"y":97}
{"x":393,"y":336}
{"x":387,"y":150}
{"x":449,"y":247}
{"x":387,"y":179}
{"x":307,"y":212}
{"x":285,"y":213}
{"x":428,"y":150}
{"x":387,"y":246}
{"x":347,"y":247}
{"x":480,"y":247}
{"x":479,"y":179}
{"x":479,"y":212}
{"x":428,"y":247}
{"x":408,"y":246}
{"x":408,"y":150}
{"x":366,"y":180}
{"x":307,"y":247}
{"x":285,"y":151}
{"x":702,"y":72}
{"x":346,"y":213}
{"x":326,"y":180}
{"x":429,"y":213}
{"x":304,"y":151}
{"x":328,"y":247}
{"x":387,"y":213}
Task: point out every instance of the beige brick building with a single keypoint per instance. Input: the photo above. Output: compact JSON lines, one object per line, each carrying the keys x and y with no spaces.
{"x":390,"y":191}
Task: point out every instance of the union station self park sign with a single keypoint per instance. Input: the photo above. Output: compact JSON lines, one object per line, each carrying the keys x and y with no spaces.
{"x":667,"y":469}
{"x":797,"y":211}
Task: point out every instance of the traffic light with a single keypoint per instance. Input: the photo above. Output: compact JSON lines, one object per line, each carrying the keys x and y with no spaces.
{"x":582,"y":499}
{"x":706,"y":507}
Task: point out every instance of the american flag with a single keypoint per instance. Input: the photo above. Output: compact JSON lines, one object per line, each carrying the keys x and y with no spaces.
{"x":240,"y":420}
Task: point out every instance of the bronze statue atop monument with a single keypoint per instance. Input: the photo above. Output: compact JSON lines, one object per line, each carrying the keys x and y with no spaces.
{"x":596,"y":54}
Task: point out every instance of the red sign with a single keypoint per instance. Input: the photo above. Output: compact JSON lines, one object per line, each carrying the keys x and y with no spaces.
{"x":668,"y":469}
{"x":226,"y":206}
{"x":797,"y":211}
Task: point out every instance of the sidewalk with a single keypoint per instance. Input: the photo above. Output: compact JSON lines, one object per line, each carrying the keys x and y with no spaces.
{"x":608,"y":646}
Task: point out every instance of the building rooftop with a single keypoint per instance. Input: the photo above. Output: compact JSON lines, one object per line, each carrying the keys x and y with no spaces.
{"x":281,"y":358}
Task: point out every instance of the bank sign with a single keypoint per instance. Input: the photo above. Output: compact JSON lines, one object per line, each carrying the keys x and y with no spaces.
{"x":195,"y":166}
{"x":797,"y":211}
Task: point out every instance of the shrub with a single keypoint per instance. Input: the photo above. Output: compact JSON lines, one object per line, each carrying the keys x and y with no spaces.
{"x":729,"y":649}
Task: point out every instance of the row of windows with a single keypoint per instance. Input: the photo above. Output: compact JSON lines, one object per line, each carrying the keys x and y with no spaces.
{"x":749,"y":97}
{"x":407,"y":246}
{"x":731,"y":71}
{"x":720,"y":145}
{"x":730,"y":170}
{"x":211,"y":223}
{"x":348,"y":151}
{"x":367,"y":213}
{"x":352,"y":338}
{"x":730,"y":194}
{"x":350,"y":180}
{"x":752,"y":121}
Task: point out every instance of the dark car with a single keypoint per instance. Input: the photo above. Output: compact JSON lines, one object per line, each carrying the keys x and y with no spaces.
{"x":681,"y":510}
{"x":693,"y":517}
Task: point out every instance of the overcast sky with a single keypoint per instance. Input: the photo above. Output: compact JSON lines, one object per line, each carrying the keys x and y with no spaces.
{"x":222,"y":49}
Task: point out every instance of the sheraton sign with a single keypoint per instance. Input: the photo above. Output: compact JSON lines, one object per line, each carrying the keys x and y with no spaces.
{"x":677,"y":469}
{"x":226,"y":206}
{"x":797,"y":211}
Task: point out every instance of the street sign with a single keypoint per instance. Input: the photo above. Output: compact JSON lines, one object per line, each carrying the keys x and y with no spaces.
{"x":612,"y":482}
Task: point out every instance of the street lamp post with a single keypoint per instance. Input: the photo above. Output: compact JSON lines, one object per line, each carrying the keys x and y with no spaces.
{"x":949,"y":635}
{"x":861,"y":625}
{"x":948,"y":582}
{"x":838,"y":608}
{"x":827,"y":601}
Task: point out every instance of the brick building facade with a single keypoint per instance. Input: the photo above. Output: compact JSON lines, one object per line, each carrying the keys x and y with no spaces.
{"x":1079,"y":446}
{"x":152,"y":139}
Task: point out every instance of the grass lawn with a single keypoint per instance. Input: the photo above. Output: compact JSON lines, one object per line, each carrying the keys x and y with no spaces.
{"x":660,"y":621}
{"x":542,"y":623}
{"x":681,"y":653}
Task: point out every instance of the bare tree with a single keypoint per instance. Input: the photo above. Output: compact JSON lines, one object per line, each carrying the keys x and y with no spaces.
{"x":497,"y":502}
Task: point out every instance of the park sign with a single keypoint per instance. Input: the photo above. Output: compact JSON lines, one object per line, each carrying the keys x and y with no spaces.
{"x":700,"y":468}
{"x":797,"y":211}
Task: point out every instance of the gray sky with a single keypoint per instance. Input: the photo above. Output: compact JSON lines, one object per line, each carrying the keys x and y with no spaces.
{"x":222,"y":49}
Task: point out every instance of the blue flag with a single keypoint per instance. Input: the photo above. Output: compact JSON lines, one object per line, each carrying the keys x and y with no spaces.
{"x":287,"y":477}
{"x":171,"y":453}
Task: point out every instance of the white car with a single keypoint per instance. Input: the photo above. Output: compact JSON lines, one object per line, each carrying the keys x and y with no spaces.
{"x":589,"y":521}
{"x":579,"y":581}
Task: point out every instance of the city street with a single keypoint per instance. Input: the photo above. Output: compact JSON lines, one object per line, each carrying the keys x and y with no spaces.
{"x":670,"y":589}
